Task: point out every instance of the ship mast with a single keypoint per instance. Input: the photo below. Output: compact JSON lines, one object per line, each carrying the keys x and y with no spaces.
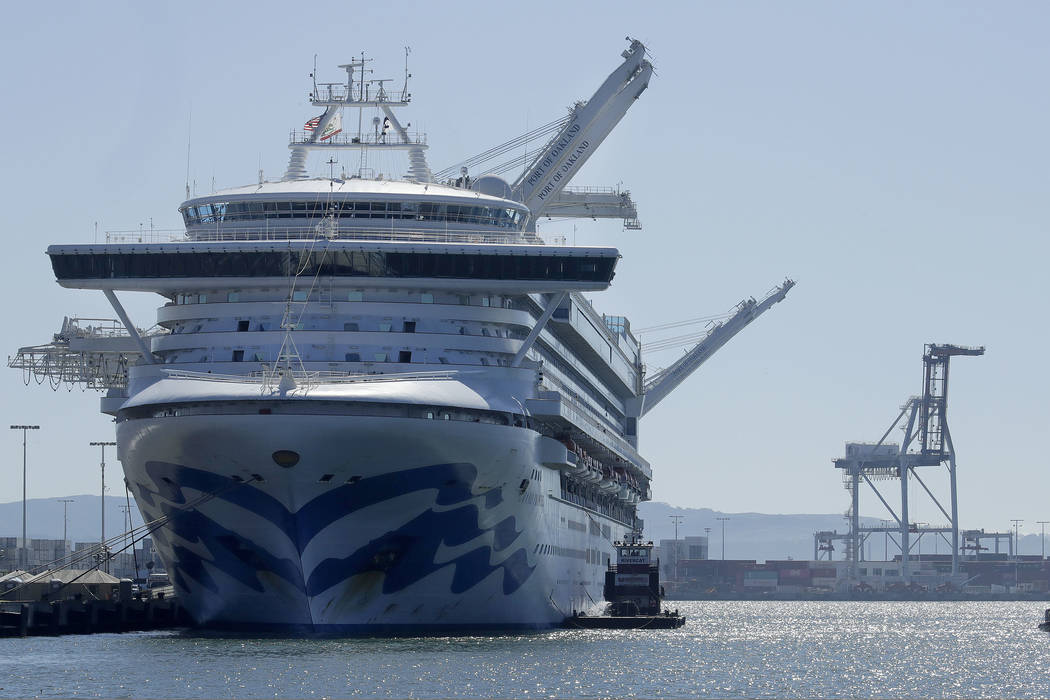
{"x":360,"y":91}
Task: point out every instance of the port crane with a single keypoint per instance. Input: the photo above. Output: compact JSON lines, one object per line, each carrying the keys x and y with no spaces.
{"x":543,"y":184}
{"x":927,"y":443}
{"x":657,"y":387}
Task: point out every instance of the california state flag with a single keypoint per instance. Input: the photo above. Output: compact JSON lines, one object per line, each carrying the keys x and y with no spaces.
{"x":333,"y":127}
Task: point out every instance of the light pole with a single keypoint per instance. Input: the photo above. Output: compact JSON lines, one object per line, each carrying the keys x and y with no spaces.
{"x":707,"y":536}
{"x":918,"y":539}
{"x":102,"y":538}
{"x":1017,"y":552}
{"x":65,"y":518}
{"x":1042,"y":535}
{"x":127,"y":528}
{"x":676,"y":519}
{"x":1017,"y":542}
{"x":23,"y":553}
{"x":723,"y":519}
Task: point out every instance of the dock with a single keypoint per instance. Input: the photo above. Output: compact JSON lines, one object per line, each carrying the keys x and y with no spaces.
{"x":89,"y":616}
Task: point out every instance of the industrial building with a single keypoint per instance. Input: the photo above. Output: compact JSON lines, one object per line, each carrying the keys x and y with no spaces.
{"x":43,"y":554}
{"x":988,"y":575}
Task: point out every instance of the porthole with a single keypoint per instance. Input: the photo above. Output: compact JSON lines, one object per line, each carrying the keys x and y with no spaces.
{"x":286,"y":458}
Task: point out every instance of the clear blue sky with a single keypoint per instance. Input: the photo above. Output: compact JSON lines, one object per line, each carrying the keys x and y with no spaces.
{"x":892,"y":158}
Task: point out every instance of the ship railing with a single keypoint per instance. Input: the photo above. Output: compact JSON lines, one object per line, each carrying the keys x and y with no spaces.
{"x":305,"y":138}
{"x":570,"y":396}
{"x":268,"y":376}
{"x":74,"y":328}
{"x":312,"y":232}
{"x":591,"y":189}
{"x":352,"y":96}
{"x":596,"y":420}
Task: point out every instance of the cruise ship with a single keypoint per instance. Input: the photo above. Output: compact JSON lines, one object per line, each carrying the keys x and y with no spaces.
{"x":377,"y":403}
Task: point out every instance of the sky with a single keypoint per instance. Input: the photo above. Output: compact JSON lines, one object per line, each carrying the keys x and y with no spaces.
{"x":891,"y":158}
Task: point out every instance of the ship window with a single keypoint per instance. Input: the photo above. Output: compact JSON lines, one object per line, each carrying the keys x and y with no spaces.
{"x":430,"y":415}
{"x":485,"y":361}
{"x":443,"y":360}
{"x":380,"y":357}
{"x":427,"y":298}
{"x":243,"y":325}
{"x":404,"y":356}
{"x":238,"y":355}
{"x":485,"y":301}
{"x":342,"y":263}
{"x":233,"y":296}
{"x":260,"y":357}
{"x":353,"y":357}
{"x":464,"y":300}
{"x":410,"y":327}
{"x":300,"y":295}
{"x":384,"y":327}
{"x":350,"y":327}
{"x":355,"y":296}
{"x":203,"y":298}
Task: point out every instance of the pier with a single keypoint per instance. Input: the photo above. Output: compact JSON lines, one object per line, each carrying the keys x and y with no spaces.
{"x":133,"y":612}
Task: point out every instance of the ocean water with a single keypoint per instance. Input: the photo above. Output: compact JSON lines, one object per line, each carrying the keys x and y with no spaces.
{"x":726,"y":649}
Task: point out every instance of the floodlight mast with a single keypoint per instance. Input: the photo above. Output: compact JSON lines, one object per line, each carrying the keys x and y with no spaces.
{"x":24,"y":551}
{"x":102,"y":538}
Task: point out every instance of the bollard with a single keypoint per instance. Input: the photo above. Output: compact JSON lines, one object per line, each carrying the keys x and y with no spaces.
{"x":92,"y":616}
{"x":23,"y":619}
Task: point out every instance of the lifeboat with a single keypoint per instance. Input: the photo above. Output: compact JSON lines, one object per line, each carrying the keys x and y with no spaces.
{"x":608,"y":483}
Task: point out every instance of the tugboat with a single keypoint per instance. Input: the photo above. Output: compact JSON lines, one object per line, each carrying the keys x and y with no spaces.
{"x":1045,"y":624}
{"x":633,"y":591}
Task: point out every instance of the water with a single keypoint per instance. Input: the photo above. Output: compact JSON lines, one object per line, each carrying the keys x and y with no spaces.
{"x":726,"y":649}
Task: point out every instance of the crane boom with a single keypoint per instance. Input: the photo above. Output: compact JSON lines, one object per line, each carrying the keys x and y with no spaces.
{"x":588,"y":125}
{"x":657,"y":387}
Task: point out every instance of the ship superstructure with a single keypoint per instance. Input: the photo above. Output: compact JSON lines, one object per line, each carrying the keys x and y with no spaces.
{"x":380,"y":403}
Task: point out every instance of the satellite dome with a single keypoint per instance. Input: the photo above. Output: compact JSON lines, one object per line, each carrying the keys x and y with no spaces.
{"x":492,"y":185}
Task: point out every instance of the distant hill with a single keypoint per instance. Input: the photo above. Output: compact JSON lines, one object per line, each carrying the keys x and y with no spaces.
{"x":747,"y":535}
{"x":760,"y":536}
{"x":757,"y":536}
{"x":44,"y":517}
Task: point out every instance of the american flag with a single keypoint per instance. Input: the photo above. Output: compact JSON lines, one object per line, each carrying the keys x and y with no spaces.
{"x":312,"y":124}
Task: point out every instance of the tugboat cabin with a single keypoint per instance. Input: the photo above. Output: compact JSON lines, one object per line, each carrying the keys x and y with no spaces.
{"x":632,"y":585}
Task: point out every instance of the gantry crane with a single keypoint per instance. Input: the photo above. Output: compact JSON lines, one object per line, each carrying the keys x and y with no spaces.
{"x":927,"y":426}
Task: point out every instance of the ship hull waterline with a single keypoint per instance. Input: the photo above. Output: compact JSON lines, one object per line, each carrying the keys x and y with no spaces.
{"x":382,"y":525}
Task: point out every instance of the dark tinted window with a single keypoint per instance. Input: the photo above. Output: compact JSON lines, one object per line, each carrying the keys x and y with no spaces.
{"x":338,"y":263}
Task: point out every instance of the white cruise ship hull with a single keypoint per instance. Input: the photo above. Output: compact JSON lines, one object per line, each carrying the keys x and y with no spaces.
{"x":383,"y":524}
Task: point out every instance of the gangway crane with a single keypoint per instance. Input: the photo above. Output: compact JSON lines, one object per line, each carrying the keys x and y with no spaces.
{"x":588,"y":126}
{"x":657,"y":387}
